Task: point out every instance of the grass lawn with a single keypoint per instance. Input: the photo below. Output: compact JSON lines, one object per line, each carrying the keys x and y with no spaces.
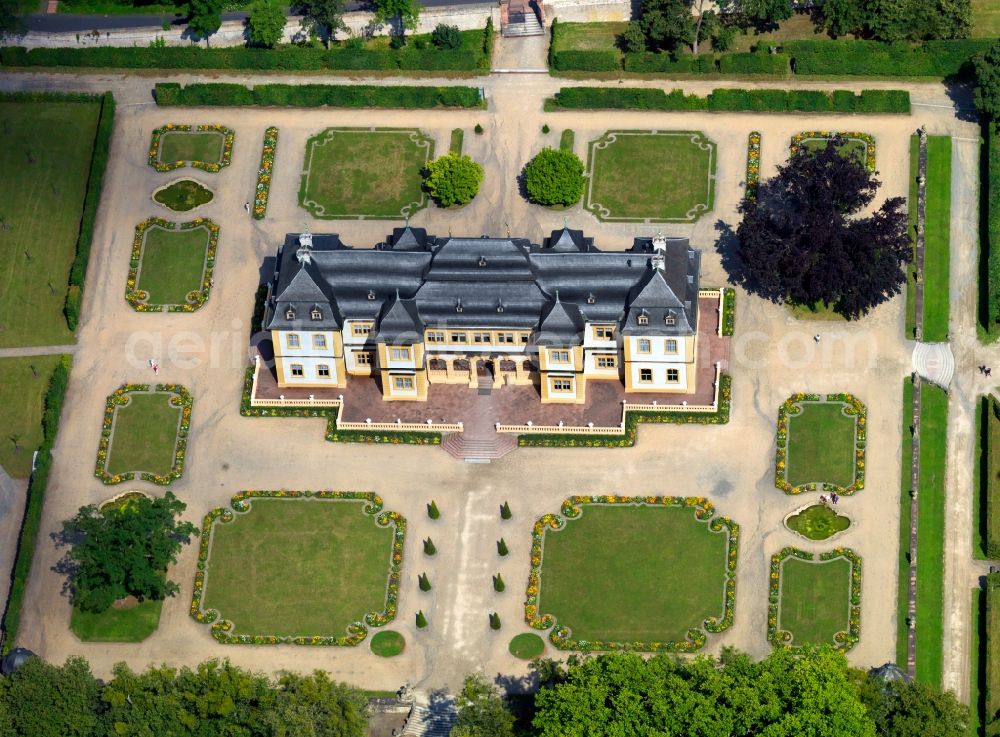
{"x":815,"y":599}
{"x":526,"y":646}
{"x":183,"y":195}
{"x":817,"y":311}
{"x":853,"y":147}
{"x":387,"y":643}
{"x":144,"y":435}
{"x":985,"y":19}
{"x":205,"y":146}
{"x":588,"y":36}
{"x":818,"y":522}
{"x":651,"y":176}
{"x":22,"y":396}
{"x":821,"y":445}
{"x":360,"y":172}
{"x":798,"y":27}
{"x":172,"y":264}
{"x":930,"y":552}
{"x":134,"y":624}
{"x":937,"y":233}
{"x":457,"y":139}
{"x":991,"y":649}
{"x":298,"y":567}
{"x":911,"y":228}
{"x":633,"y":573}
{"x":45,"y":152}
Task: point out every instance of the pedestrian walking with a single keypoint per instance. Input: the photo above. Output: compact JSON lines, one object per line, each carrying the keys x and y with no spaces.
{"x":988,"y":371}
{"x":982,"y":369}
{"x":816,"y":337}
{"x":156,"y":369}
{"x":246,"y":206}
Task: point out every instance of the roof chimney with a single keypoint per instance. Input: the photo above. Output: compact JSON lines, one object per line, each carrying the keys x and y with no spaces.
{"x":304,"y":254}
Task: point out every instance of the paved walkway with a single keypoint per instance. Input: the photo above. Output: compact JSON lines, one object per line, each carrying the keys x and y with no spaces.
{"x":37,"y":350}
{"x":773,"y":355}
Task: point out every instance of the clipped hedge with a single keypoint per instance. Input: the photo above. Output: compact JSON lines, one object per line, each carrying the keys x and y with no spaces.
{"x":991,"y":483}
{"x":585,"y":60}
{"x":36,"y":497}
{"x":877,"y":59}
{"x":651,"y":63}
{"x":471,"y":56}
{"x":990,"y":214}
{"x":316,"y":95}
{"x":733,"y":100}
{"x":758,"y":63}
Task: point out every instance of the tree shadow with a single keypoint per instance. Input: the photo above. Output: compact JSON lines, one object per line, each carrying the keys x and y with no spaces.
{"x":66,"y":566}
{"x":518,"y":684}
{"x":440,"y":712}
{"x":727,"y":246}
{"x":960,"y":93}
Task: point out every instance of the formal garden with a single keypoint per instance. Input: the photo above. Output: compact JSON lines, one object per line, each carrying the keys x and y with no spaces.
{"x":365,"y":173}
{"x":183,"y":195}
{"x":659,"y":573}
{"x":144,"y":432}
{"x":815,"y":599}
{"x":821,"y":444}
{"x":205,"y":147}
{"x":854,"y":145}
{"x":651,"y":176}
{"x":171,"y":265}
{"x":302,"y":567}
{"x":817,"y":522}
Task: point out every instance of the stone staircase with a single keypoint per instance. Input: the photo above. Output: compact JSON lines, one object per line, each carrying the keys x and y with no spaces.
{"x":934,"y":362}
{"x":477,"y":448}
{"x":518,"y":18}
{"x":430,"y":719}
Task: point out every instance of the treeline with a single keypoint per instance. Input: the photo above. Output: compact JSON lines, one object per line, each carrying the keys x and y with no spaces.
{"x":316,"y":95}
{"x":733,"y":100}
{"x":473,"y":55}
{"x":215,"y":698}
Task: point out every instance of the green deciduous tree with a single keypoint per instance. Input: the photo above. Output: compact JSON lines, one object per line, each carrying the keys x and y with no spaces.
{"x":554,"y":177}
{"x":896,"y":20}
{"x":666,"y":24}
{"x":42,"y":700}
{"x":204,"y":17}
{"x":482,"y":711}
{"x":123,"y":550}
{"x":323,"y":17}
{"x":266,"y":24}
{"x":902,"y":709}
{"x":11,"y":23}
{"x":453,"y":179}
{"x":987,"y":92}
{"x":446,"y":37}
{"x":633,"y":38}
{"x":402,"y":14}
{"x":759,"y":13}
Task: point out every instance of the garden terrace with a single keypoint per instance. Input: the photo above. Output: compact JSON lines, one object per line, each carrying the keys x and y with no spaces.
{"x":650,"y":176}
{"x":302,"y":567}
{"x":365,"y":173}
{"x":657,"y":572}
{"x":821,"y":444}
{"x":145,"y":431}
{"x":171,"y":266}
{"x":815,"y":600}
{"x":205,"y":147}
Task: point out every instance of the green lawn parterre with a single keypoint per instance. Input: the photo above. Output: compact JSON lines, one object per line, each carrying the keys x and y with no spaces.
{"x":132,"y":624}
{"x":45,"y":157}
{"x":815,"y":600}
{"x":937,"y":238}
{"x":205,"y":147}
{"x":817,"y":522}
{"x":859,"y":145}
{"x":145,"y":432}
{"x":298,"y":567}
{"x":651,"y":176}
{"x":23,"y":384}
{"x":821,"y":444}
{"x":365,"y":173}
{"x":648,"y":573}
{"x":171,"y":265}
{"x":388,"y":643}
{"x":183,"y":195}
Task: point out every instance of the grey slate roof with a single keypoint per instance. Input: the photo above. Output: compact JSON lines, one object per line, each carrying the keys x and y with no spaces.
{"x":414,"y":280}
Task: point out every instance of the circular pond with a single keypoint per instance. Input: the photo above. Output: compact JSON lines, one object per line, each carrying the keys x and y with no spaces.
{"x":817,"y":522}
{"x":183,"y":195}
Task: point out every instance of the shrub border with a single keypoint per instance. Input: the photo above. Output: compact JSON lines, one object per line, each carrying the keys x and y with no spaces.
{"x":196,"y":297}
{"x":852,"y":406}
{"x":264,"y":172}
{"x":753,"y":165}
{"x":561,"y":635}
{"x":228,"y":138}
{"x":357,"y":631}
{"x":843,"y":641}
{"x":728,"y":311}
{"x":120,"y":398}
{"x":866,"y":138}
{"x":632,"y":420}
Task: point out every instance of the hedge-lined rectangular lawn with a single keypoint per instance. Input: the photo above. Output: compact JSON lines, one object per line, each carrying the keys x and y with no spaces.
{"x":144,"y":435}
{"x":23,"y":383}
{"x":296,"y":567}
{"x":45,"y":154}
{"x":633,"y":573}
{"x":815,"y":600}
{"x":821,"y":440}
{"x":173,"y":264}
{"x":937,"y":239}
{"x":205,"y":146}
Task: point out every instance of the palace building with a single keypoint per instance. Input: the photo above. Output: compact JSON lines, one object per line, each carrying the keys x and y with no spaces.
{"x":419,"y":310}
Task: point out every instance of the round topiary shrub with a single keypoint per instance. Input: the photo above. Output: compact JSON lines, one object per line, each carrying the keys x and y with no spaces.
{"x":388,"y":643}
{"x":452,"y":179}
{"x":554,"y":177}
{"x":446,"y":37}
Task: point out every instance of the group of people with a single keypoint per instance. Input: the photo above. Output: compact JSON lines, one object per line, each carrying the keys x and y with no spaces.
{"x":986,"y":370}
{"x":155,"y":366}
{"x":833,"y":498}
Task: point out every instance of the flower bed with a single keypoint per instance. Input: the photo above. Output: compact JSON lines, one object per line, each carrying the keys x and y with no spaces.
{"x":753,"y":165}
{"x":333,"y":434}
{"x":571,"y":508}
{"x":632,"y":420}
{"x":265,"y":172}
{"x":181,"y":398}
{"x":210,"y":166}
{"x":793,"y":406}
{"x":241,"y":503}
{"x":865,"y":138}
{"x":196,"y":297}
{"x":728,"y":311}
{"x":844,"y":641}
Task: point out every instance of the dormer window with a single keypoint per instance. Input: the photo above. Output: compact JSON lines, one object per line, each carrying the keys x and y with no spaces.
{"x":458,"y":306}
{"x":669,"y":320}
{"x":316,"y":314}
{"x":591,"y":298}
{"x":371,"y":294}
{"x":500,"y":305}
{"x":290,"y":313}
{"x":482,"y":261}
{"x":642,"y":319}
